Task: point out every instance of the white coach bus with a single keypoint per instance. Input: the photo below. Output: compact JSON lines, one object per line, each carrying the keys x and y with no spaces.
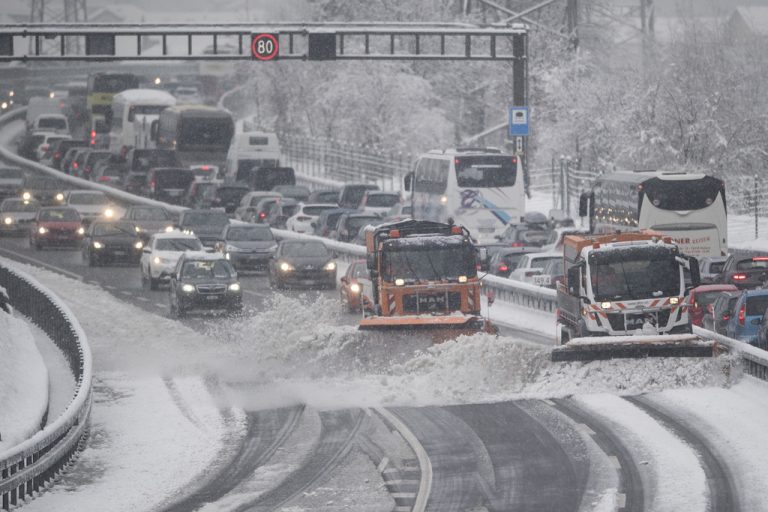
{"x":689,"y":207}
{"x":133,"y":111}
{"x":481,"y":189}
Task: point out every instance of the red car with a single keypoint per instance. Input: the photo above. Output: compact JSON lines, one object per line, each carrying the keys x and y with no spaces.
{"x":701,"y":297}
{"x":352,"y":285}
{"x":56,"y":226}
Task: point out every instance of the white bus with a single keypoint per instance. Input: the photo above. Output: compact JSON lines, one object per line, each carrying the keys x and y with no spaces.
{"x":481,"y":189}
{"x":200,"y":135}
{"x":133,"y":111}
{"x":689,"y":207}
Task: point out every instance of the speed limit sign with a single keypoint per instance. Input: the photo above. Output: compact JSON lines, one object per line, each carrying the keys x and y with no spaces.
{"x":265,"y":46}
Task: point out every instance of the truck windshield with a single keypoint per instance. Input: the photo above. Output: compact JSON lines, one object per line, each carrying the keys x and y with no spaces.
{"x":429,"y":263}
{"x":635,"y":275}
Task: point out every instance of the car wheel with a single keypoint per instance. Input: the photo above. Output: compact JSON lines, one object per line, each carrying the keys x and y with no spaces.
{"x":154,"y":284}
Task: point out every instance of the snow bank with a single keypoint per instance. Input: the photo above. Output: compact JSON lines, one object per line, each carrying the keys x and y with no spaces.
{"x":668,"y":466}
{"x":23,"y":382}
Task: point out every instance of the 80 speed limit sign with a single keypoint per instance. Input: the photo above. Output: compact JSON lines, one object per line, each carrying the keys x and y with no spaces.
{"x":264,"y":46}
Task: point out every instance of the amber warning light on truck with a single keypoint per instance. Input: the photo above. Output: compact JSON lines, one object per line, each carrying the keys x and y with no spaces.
{"x":265,"y":46}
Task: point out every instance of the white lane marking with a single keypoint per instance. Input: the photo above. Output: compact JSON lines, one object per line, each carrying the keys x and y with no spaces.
{"x":142,"y":299}
{"x":401,"y":482}
{"x":124,"y":292}
{"x":159,"y":305}
{"x":110,"y":287}
{"x":409,"y":495}
{"x":383,"y":464}
{"x":43,"y":264}
{"x":425,"y":484}
{"x":615,"y":461}
{"x":584,"y":428}
{"x":548,"y":402}
{"x":621,"y":500}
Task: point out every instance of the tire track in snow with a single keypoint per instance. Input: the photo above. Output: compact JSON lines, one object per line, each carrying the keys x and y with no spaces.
{"x":722,"y":491}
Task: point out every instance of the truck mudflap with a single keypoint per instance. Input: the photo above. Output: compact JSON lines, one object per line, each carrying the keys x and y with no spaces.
{"x":634,"y":347}
{"x":441,"y":328}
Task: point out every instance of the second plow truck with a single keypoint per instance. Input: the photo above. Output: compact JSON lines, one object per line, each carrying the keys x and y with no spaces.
{"x":623,"y":296}
{"x":424,"y":277}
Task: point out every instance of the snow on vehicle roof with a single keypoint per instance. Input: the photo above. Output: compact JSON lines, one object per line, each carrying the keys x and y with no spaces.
{"x":173,"y":234}
{"x":146,"y":96}
{"x":207,"y":256}
{"x":421,"y":240}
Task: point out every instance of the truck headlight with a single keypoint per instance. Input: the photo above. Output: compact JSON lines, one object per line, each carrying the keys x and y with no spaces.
{"x":399,"y":282}
{"x":42,"y":230}
{"x":674,"y":300}
{"x":81,"y":230}
{"x":354,"y":288}
{"x":462,"y":279}
{"x":187,"y":288}
{"x":98,"y":245}
{"x":139,"y":244}
{"x":109,"y":213}
{"x":234,"y":287}
{"x":605,"y":305}
{"x":26,"y":196}
{"x":286,"y":267}
{"x":8,"y":220}
{"x":59,"y":196}
{"x":330,"y":266}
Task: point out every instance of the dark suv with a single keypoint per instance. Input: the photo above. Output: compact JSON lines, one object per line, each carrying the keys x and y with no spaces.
{"x":204,"y":281}
{"x":745,"y":273}
{"x":168,"y":184}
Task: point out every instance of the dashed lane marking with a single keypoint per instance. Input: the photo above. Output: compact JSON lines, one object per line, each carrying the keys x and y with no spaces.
{"x":142,"y":299}
{"x":159,"y":305}
{"x":621,"y":500}
{"x":615,"y":461}
{"x":110,"y":287}
{"x":582,"y":427}
{"x":124,"y":292}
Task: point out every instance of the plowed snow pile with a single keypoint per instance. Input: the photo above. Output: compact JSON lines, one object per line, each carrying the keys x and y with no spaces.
{"x":295,"y":352}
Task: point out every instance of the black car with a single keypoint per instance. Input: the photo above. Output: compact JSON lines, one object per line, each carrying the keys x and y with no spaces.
{"x":526,"y":235}
{"x":504,"y":261}
{"x":206,"y":224}
{"x":722,"y":311}
{"x":302,"y":263}
{"x":61,"y":149}
{"x":247,"y":247}
{"x":168,"y":184}
{"x":204,"y":281}
{"x":112,"y":241}
{"x":47,"y":191}
{"x":11,"y":182}
{"x":349,"y":224}
{"x":745,"y":273}
{"x":229,"y":196}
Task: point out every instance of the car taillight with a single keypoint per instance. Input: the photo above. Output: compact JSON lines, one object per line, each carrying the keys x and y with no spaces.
{"x":74,"y":165}
{"x":262,"y":215}
{"x":739,"y":277}
{"x":517,"y":244}
{"x":152,"y":185}
{"x":44,"y":147}
{"x":57,"y":155}
{"x":742,"y":314}
{"x":88,"y":168}
{"x":103,"y":178}
{"x":503,"y":268}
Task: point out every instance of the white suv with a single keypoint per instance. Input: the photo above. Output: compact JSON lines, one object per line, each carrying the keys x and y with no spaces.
{"x":162,"y":253}
{"x":301,"y":221}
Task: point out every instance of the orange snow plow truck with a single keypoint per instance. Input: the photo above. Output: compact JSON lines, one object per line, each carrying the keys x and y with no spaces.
{"x":424,"y":277}
{"x":624,"y":296}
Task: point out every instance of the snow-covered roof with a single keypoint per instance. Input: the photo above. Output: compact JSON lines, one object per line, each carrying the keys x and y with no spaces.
{"x":146,"y":97}
{"x":175,"y":234}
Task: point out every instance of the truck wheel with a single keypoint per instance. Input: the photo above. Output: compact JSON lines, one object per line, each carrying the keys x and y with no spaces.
{"x":565,"y":335}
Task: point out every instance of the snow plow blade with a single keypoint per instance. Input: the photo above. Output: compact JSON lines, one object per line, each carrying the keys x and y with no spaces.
{"x":634,"y":347}
{"x":441,"y":327}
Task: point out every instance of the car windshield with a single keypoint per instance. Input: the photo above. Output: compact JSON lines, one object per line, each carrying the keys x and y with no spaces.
{"x":150,"y":214}
{"x":88,"y":198}
{"x":55,"y":123}
{"x":17,"y":205}
{"x":542,"y":262}
{"x":633,"y":274}
{"x":11,"y":174}
{"x":752,"y":264}
{"x":316,"y":210}
{"x":757,"y":305}
{"x":205,"y":132}
{"x":206,"y":219}
{"x":382,"y":200}
{"x":207,"y":269}
{"x":428,"y":263}
{"x":114,"y":228}
{"x":304,"y":249}
{"x":42,"y":184}
{"x":249,"y":234}
{"x":704,"y":299}
{"x":178,"y":244}
{"x":60,"y":215}
{"x":231,"y":193}
{"x":716,"y":267}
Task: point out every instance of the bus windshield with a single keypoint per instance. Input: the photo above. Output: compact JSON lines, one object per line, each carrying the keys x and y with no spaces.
{"x":682,"y":195}
{"x":486,"y":171}
{"x":634,"y":274}
{"x":205,"y":132}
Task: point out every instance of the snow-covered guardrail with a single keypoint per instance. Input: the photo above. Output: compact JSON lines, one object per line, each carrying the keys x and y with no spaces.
{"x":754,"y":360}
{"x":32,"y":464}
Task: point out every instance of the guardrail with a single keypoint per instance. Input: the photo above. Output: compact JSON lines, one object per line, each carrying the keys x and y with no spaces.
{"x":28,"y":466}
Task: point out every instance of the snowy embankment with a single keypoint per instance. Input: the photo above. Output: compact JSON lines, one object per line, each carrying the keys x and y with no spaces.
{"x":23,"y":382}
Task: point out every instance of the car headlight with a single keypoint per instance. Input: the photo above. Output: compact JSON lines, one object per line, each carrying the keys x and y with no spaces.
{"x":26,"y":196}
{"x":137,"y":228}
{"x":98,"y":245}
{"x":4,"y":105}
{"x":674,"y":300}
{"x":168,"y":229}
{"x":81,"y":230}
{"x":188,"y":288}
{"x":59,"y":196}
{"x":286,"y":267}
{"x":8,"y":220}
{"x":354,"y":288}
{"x":234,"y":287}
{"x":161,"y":261}
{"x":139,"y":244}
{"x":226,"y":256}
{"x":330,"y":266}
{"x":42,"y":230}
{"x":109,"y":213}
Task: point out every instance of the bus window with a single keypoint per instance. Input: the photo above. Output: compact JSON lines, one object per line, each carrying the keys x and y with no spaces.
{"x":486,"y":171}
{"x":682,"y":195}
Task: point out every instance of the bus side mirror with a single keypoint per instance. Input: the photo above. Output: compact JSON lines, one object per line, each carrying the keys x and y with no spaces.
{"x":584,"y":204}
{"x":153,"y":129}
{"x":695,"y":273}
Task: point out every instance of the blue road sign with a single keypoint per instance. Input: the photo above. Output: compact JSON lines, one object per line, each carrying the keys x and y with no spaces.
{"x":518,"y":121}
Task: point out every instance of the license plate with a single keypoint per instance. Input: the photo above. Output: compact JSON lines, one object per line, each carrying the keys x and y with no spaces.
{"x":542,"y":280}
{"x":308,"y":281}
{"x":212,"y":297}
{"x":119,"y":253}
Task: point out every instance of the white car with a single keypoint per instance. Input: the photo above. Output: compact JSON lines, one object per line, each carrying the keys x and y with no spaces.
{"x":93,"y":204}
{"x":530,"y":266}
{"x":378,"y":202}
{"x":186,"y":94}
{"x":301,"y":221}
{"x":161,"y":254}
